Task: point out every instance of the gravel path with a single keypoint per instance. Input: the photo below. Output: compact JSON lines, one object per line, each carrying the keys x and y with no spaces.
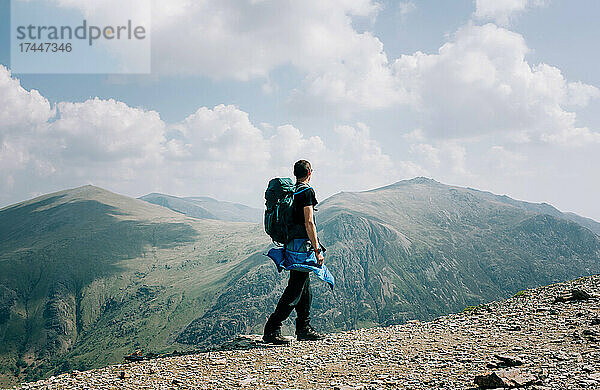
{"x":557,"y":343}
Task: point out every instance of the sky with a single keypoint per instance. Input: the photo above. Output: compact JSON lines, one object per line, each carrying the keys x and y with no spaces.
{"x":498,"y":95}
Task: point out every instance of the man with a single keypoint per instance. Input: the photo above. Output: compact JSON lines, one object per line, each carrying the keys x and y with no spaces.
{"x":297,"y":294}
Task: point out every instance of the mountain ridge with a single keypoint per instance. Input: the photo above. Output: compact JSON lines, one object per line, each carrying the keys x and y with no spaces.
{"x":88,"y":275}
{"x":543,"y":207}
{"x":206,"y":207}
{"x":87,"y":192}
{"x":538,"y":207}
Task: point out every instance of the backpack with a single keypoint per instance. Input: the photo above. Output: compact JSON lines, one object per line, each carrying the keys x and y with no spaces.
{"x":279,"y":198}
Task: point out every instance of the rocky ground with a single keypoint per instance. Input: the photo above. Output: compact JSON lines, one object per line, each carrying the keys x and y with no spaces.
{"x":545,"y":338}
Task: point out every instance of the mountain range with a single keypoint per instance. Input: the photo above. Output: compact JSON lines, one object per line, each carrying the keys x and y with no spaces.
{"x":87,"y":276}
{"x":205,"y":207}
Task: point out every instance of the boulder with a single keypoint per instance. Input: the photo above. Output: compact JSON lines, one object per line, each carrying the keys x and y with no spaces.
{"x":510,"y":378}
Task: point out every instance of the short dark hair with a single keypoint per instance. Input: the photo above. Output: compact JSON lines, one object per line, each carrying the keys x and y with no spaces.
{"x":301,"y":169}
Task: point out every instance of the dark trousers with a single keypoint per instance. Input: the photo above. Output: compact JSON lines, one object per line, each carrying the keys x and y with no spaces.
{"x":296,"y":296}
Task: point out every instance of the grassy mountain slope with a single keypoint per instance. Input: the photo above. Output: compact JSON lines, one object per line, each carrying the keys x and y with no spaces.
{"x":205,"y":207}
{"x":541,"y":208}
{"x":87,"y":276}
{"x":228,"y":211}
{"x":414,"y":249}
{"x":179,"y":205}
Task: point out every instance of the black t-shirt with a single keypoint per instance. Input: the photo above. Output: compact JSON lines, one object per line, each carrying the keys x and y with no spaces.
{"x":304,"y":198}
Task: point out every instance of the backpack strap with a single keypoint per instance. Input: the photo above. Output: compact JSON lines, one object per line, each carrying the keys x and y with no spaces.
{"x":302,"y":190}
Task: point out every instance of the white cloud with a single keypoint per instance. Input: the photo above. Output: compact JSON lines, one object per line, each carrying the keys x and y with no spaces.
{"x":214,"y":151}
{"x":573,"y":137}
{"x":223,"y":135}
{"x":429,"y":153}
{"x":480,"y":83}
{"x":446,"y":157}
{"x":20,"y":110}
{"x":406,"y":7}
{"x":222,"y":149}
{"x":241,"y":39}
{"x":269,"y":87}
{"x":358,"y":162}
{"x":23,"y":120}
{"x":289,"y":145}
{"x":457,"y":156}
{"x":580,"y":94}
{"x":501,"y":11}
{"x":239,"y":165}
{"x":415,"y":135}
{"x":362,"y":79}
{"x":248,"y":39}
{"x":13,"y":156}
{"x":505,"y":160}
{"x":109,"y":131}
{"x":346,"y":71}
{"x":360,"y":152}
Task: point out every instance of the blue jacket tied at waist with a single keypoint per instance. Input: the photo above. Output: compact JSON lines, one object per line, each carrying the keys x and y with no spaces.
{"x":296,"y":255}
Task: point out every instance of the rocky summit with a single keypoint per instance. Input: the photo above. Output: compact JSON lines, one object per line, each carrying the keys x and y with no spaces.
{"x":543,"y":338}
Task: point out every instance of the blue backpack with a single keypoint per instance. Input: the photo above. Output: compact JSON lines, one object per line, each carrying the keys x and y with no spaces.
{"x":279,"y":196}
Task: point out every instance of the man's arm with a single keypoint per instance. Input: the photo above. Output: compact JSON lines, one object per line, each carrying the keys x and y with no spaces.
{"x":311,"y":230}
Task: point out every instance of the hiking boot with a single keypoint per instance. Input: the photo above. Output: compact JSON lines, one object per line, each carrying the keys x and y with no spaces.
{"x":308,"y":333}
{"x":275,"y":337}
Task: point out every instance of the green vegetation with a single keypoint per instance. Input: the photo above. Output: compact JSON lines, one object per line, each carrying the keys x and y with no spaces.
{"x":476,"y":309}
{"x":87,"y":276}
{"x":520,"y":294}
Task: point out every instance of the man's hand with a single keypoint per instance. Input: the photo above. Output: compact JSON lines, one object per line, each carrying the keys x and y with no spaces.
{"x":320,"y":258}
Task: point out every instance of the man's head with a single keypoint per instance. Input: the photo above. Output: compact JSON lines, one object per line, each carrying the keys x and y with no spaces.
{"x":302,"y":170}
